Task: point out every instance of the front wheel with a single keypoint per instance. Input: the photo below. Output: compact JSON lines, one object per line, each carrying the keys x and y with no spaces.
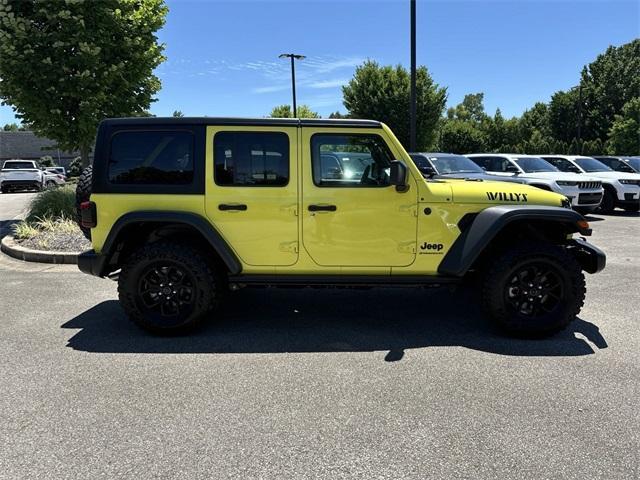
{"x":608,"y":203}
{"x":534,"y":290}
{"x":169,"y":288}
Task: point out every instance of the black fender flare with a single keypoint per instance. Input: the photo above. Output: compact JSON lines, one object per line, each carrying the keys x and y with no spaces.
{"x":202,"y":225}
{"x":489,"y":222}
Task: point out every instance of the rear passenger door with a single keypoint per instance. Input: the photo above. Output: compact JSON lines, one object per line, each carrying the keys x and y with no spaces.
{"x":252,"y":192}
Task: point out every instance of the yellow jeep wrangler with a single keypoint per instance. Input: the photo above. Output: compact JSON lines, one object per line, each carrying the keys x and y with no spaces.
{"x":181,"y":210}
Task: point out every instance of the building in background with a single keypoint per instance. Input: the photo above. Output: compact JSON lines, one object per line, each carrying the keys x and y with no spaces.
{"x":28,"y":146}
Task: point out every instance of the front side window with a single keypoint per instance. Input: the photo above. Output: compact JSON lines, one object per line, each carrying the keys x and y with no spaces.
{"x":350,"y":160}
{"x":563,"y":164}
{"x":151,"y":158}
{"x":495,"y":164}
{"x":249,"y":159}
{"x":533,"y":165}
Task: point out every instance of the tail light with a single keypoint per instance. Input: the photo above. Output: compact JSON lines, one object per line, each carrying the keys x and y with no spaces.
{"x":88,"y":215}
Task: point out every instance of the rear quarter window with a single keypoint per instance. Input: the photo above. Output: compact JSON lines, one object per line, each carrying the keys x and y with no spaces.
{"x":151,"y":158}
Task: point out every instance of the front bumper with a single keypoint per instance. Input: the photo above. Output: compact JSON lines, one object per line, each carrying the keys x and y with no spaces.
{"x":582,"y":197}
{"x":92,"y":263}
{"x":628,"y":193}
{"x":590,"y":257}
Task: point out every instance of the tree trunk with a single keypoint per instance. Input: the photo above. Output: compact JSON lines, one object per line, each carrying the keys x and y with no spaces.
{"x":84,"y":156}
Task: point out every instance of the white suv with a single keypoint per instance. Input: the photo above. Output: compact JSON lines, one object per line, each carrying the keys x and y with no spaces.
{"x":585,"y":193}
{"x":620,"y":189}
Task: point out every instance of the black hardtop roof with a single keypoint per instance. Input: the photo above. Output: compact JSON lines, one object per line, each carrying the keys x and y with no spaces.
{"x":280,"y":122}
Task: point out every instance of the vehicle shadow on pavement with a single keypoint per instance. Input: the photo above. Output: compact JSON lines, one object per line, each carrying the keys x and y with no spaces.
{"x":304,"y":320}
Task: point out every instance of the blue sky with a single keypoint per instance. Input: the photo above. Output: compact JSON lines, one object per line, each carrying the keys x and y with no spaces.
{"x":222,"y":56}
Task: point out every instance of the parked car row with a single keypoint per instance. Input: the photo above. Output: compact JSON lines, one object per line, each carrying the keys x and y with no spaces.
{"x":28,"y":175}
{"x":590,"y":184}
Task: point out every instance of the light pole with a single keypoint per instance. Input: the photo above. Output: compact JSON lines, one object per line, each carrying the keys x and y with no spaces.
{"x":412,"y":101}
{"x":293,"y":58}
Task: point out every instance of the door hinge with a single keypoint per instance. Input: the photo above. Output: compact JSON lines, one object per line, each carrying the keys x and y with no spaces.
{"x":289,"y":247}
{"x":407,"y":247}
{"x":410,"y":209}
{"x":291,"y":208}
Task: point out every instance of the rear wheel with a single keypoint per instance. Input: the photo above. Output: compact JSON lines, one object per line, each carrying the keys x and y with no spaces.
{"x":534,"y":290}
{"x":169,"y":288}
{"x":83,"y":193}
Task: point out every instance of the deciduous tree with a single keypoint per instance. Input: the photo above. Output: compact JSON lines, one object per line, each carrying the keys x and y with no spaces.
{"x":67,"y":64}
{"x":383,"y":93}
{"x":284,"y":111}
{"x":624,"y":135}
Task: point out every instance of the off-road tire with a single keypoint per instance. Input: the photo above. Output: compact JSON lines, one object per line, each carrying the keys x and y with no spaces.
{"x":83,"y":193}
{"x":608,"y":203}
{"x":496,"y":284}
{"x":51,"y":184}
{"x":207,"y":279}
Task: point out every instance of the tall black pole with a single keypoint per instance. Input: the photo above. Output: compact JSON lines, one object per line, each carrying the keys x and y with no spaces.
{"x":412,"y":109}
{"x":293,"y":86}
{"x":293,"y":57}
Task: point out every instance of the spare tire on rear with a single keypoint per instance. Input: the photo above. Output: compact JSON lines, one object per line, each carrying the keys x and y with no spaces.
{"x":83,"y":192}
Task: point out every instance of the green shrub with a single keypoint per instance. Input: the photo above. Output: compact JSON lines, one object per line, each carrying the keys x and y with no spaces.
{"x":24,"y":230}
{"x":75,"y":167}
{"x":58,"y":203}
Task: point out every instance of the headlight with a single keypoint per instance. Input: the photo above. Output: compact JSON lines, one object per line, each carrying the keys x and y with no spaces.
{"x":630,"y":182}
{"x":566,"y":203}
{"x":567,"y":184}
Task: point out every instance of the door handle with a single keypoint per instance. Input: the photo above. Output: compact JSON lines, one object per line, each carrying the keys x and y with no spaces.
{"x":322,"y":208}
{"x":235,"y":206}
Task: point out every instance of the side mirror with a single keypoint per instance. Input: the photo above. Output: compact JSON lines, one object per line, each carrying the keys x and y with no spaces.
{"x":427,"y":170}
{"x":398,"y":176}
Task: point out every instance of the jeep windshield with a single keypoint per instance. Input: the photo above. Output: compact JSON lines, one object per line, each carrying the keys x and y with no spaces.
{"x":534,"y":165}
{"x":635,"y":163}
{"x":592,"y":165}
{"x":452,"y":164}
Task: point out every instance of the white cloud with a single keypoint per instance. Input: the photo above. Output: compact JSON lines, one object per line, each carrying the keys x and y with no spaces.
{"x":328,"y":83}
{"x":271,"y":89}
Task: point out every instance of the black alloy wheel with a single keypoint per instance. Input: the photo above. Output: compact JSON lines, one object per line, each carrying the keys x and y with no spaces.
{"x":166,"y":291}
{"x":535,"y":289}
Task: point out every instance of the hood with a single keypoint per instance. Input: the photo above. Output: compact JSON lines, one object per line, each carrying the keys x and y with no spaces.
{"x":563,"y":176}
{"x":454,"y":176}
{"x":501,"y":193}
{"x":613,"y":175}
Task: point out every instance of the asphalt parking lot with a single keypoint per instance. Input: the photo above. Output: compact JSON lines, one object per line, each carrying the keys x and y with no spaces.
{"x":385,"y":383}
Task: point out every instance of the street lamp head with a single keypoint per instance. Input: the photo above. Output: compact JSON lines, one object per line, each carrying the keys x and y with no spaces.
{"x":292,"y":55}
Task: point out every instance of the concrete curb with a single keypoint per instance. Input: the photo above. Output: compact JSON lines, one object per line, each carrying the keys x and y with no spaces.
{"x":11,"y":248}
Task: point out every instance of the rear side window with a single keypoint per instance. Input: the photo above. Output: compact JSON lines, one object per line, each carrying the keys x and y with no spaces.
{"x":151,"y":158}
{"x":18,"y":165}
{"x":251,"y":159}
{"x":492,"y":164}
